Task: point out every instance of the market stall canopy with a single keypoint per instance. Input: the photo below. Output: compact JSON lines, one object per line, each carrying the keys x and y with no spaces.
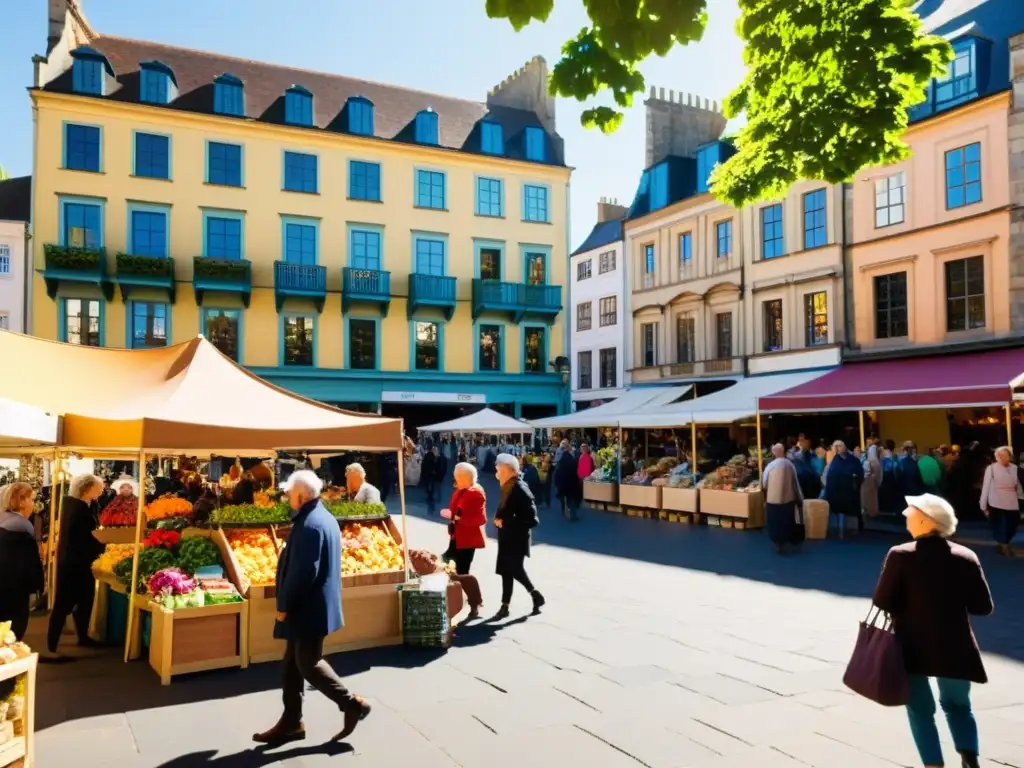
{"x":187,"y":398}
{"x":726,"y":406}
{"x":608,"y":415}
{"x":977,"y":379}
{"x":25,"y":425}
{"x":484,"y":421}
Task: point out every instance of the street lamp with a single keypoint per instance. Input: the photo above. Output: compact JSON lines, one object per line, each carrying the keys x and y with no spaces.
{"x":561,"y":364}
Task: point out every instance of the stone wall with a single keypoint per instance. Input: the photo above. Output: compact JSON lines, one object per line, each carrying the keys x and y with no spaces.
{"x":608,"y":209}
{"x":527,"y":88}
{"x":1016,"y":161}
{"x":679,"y":123}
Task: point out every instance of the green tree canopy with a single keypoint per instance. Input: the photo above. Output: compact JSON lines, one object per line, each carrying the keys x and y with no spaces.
{"x":3,"y":174}
{"x":828,"y":86}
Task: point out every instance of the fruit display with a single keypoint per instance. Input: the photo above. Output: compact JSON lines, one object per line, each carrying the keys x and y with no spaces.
{"x":244,"y":514}
{"x":122,"y":510}
{"x":266,"y":499}
{"x":112,"y":555}
{"x":256,"y":554}
{"x":168,"y":506}
{"x":368,"y":548}
{"x":738,"y":474}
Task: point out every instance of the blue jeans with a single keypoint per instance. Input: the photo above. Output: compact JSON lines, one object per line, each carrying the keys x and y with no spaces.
{"x":955,"y":700}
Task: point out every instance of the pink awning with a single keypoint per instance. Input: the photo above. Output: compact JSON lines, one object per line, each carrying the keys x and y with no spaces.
{"x":976,"y":379}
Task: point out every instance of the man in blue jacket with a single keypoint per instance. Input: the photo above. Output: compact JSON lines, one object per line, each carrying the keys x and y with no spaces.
{"x":309,"y":609}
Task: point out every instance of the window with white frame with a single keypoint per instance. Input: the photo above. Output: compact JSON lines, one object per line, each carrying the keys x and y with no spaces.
{"x":5,"y":260}
{"x":583,"y":314}
{"x":608,"y":310}
{"x":585,"y":366}
{"x":890,"y":200}
{"x":583,"y":270}
{"x":607,"y":262}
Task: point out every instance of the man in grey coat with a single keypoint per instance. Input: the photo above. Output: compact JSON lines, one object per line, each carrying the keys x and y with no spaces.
{"x":782,"y":495}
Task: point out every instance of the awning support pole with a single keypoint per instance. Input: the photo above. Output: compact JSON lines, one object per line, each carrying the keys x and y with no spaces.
{"x":647,"y":454}
{"x":693,"y":446}
{"x":135,"y":556}
{"x":1009,"y":428}
{"x":56,"y":498}
{"x":863,"y":445}
{"x":618,"y":464}
{"x":760,"y":453}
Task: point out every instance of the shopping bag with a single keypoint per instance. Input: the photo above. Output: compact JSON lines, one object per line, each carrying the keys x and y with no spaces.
{"x":876,"y":670}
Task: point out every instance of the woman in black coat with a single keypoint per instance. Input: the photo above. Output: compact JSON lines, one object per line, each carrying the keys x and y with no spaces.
{"x":931,"y":587}
{"x":568,"y":487}
{"x":21,"y":570}
{"x":515,"y":518}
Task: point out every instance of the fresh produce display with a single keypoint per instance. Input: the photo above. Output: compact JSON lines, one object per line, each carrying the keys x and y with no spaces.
{"x":162,"y":538}
{"x":267,"y":498}
{"x":168,"y":506}
{"x":250,"y":513}
{"x":112,"y":555}
{"x":368,"y":548}
{"x":122,"y":510}
{"x":219,"y":591}
{"x":151,"y":560}
{"x":175,"y":589}
{"x":256,"y":554}
{"x":333,"y":493}
{"x":605,"y":466}
{"x":195,"y":552}
{"x":344,"y":509}
{"x":738,"y":474}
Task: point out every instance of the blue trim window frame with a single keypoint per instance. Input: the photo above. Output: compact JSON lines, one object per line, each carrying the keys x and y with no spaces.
{"x":81,"y":321}
{"x":366,"y":247}
{"x":83,"y":147}
{"x":490,"y":357}
{"x":155,"y":84}
{"x":490,"y":197}
{"x":225,"y":164}
{"x":298,"y":106}
{"x":534,"y":345}
{"x":300,"y":172}
{"x":149,"y":230}
{"x":223,"y":234}
{"x":80,"y":221}
{"x":229,"y":95}
{"x":492,"y":139}
{"x":659,"y":186}
{"x":488,"y":259}
{"x":535,"y":144}
{"x":362,"y":353}
{"x":297,"y":340}
{"x":772,"y":241}
{"x":300,"y":240}
{"x":87,"y":74}
{"x":963,"y":176}
{"x":360,"y":116}
{"x":364,"y":181}
{"x":151,"y":155}
{"x":426,"y":345}
{"x":686,"y":248}
{"x":535,"y":203}
{"x":224,"y":327}
{"x":431,"y":189}
{"x":961,"y":79}
{"x":429,"y":254}
{"x":148,"y":325}
{"x":723,"y":239}
{"x":649,"y":259}
{"x":815,"y":226}
{"x":426,"y":128}
{"x":536,"y":260}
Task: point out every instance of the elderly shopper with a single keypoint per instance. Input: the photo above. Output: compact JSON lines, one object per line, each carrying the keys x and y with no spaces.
{"x":76,"y":551}
{"x":842,"y":480}
{"x":872,"y":481}
{"x":1000,"y":499}
{"x":515,"y":518}
{"x":782,"y":498}
{"x":568,"y":486}
{"x":309,"y":609}
{"x":930,"y":587}
{"x":21,"y":570}
{"x":358,"y":489}
{"x":468,"y":508}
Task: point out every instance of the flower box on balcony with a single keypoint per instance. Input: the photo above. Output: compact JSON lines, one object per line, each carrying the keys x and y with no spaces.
{"x":227,"y":275}
{"x":77,"y":265}
{"x":144,"y":272}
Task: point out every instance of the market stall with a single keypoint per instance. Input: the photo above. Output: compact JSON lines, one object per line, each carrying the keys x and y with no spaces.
{"x":17,"y":700}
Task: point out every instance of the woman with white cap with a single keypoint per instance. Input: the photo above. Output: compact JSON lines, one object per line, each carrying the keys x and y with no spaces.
{"x":931,"y":587}
{"x":515,"y":518}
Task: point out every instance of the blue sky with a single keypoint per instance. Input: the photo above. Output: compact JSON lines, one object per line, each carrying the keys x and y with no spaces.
{"x":460,"y":52}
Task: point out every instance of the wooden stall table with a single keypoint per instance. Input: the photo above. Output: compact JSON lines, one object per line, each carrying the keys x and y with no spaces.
{"x":605,"y":494}
{"x":736,"y":508}
{"x":640,"y":500}
{"x":679,"y":505}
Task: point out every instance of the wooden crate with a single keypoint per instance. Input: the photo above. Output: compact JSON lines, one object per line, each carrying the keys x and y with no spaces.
{"x":640,"y":496}
{"x":734,"y":505}
{"x":680,"y":499}
{"x":601,"y":493}
{"x":22,"y":746}
{"x":198,"y":639}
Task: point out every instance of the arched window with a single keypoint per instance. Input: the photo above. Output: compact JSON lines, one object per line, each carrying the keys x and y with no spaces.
{"x":360,"y":116}
{"x":298,"y":106}
{"x":426,"y":127}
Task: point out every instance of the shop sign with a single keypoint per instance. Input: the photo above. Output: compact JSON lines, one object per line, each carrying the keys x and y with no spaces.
{"x":458,"y":398}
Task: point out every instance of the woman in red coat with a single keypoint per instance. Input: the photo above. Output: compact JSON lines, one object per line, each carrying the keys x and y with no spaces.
{"x":468,"y":509}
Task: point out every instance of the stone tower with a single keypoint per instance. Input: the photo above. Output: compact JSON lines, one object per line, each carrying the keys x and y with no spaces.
{"x":679,"y":123}
{"x":527,"y":89}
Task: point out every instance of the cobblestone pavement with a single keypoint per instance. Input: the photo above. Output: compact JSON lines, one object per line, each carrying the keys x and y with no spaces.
{"x":662,"y":645}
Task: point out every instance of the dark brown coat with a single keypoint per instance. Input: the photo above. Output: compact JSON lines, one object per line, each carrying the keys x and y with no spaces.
{"x":931,"y":587}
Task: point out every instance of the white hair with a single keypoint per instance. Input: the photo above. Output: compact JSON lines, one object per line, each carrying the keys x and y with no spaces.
{"x":82,"y":483}
{"x":1005,"y":449}
{"x":356,"y":467}
{"x":304,"y":478}
{"x":467,"y":468}
{"x":507,"y":460}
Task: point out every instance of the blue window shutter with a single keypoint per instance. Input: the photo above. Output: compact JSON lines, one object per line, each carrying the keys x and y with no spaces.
{"x":224,"y":164}
{"x":659,"y":186}
{"x":426,"y":127}
{"x":298,"y":106}
{"x":535,"y":144}
{"x":82,"y":147}
{"x":87,"y":75}
{"x":223,"y":238}
{"x":360,"y":116}
{"x":364,"y":180}
{"x":492,"y":141}
{"x":153,"y":86}
{"x":152,"y":156}
{"x":229,"y":96}
{"x":300,"y":172}
{"x":149,"y":234}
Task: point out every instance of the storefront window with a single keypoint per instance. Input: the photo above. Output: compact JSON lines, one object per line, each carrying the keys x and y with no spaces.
{"x":427,"y":347}
{"x":298,"y":341}
{"x":221,"y":328}
{"x":490,"y":347}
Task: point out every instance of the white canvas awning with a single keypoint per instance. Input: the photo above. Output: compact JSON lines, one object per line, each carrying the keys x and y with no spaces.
{"x":609,"y":414}
{"x":24,"y":425}
{"x":723,"y":407}
{"x":485,"y":422}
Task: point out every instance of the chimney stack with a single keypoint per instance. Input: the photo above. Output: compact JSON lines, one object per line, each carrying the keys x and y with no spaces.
{"x":608,"y":209}
{"x":679,"y":123}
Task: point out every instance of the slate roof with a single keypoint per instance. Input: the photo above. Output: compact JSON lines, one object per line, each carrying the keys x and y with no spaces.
{"x":16,"y":199}
{"x":603,"y":233}
{"x":395,"y":108}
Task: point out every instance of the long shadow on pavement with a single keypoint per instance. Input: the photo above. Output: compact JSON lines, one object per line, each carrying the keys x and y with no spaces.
{"x":255,"y":758}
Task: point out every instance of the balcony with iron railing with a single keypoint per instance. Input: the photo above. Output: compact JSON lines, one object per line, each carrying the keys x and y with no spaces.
{"x":300,"y":281}
{"x":365,"y":286}
{"x":66,"y":264}
{"x":519,"y":300}
{"x":436,"y":291}
{"x":134,"y":271}
{"x":222,"y":275}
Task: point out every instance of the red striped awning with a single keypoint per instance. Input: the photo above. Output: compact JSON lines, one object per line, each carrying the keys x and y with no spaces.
{"x":976,"y":379}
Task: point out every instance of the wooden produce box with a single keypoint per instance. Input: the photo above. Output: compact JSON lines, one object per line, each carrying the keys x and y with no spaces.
{"x":198,"y":639}
{"x":680,"y":499}
{"x":640,"y":496}
{"x":19,"y":749}
{"x":117,"y":535}
{"x":603,"y":493}
{"x":747,"y":507}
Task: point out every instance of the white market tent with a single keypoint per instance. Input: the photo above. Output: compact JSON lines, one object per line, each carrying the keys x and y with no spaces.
{"x":724,"y":407}
{"x":485,"y":421}
{"x":610,"y":414}
{"x":25,"y":425}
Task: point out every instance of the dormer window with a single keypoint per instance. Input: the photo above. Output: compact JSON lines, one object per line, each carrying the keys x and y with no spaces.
{"x":535,"y":142}
{"x":659,"y":186}
{"x":961,"y":79}
{"x":88,"y":71}
{"x":229,"y":96}
{"x":298,"y":106}
{"x":156,"y":83}
{"x":426,"y":127}
{"x":491,"y":139}
{"x":360,"y":116}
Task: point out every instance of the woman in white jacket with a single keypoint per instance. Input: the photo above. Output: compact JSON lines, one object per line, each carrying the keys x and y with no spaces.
{"x":1000,"y":499}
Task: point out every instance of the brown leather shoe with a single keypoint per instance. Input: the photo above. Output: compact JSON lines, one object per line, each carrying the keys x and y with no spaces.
{"x":355,"y":713}
{"x":282,"y":733}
